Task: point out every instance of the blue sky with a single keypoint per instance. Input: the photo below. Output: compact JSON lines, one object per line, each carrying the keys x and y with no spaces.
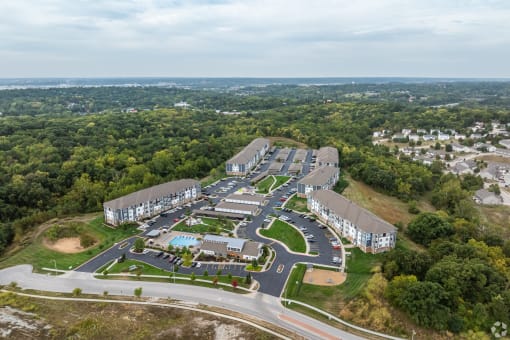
{"x":254,"y":38}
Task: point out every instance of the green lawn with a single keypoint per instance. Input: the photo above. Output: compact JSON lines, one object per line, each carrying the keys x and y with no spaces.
{"x":287,"y":234}
{"x":359,"y":266}
{"x":209,"y":225}
{"x":297,"y":204}
{"x":40,"y":256}
{"x":279,"y":181}
{"x":264,"y":185}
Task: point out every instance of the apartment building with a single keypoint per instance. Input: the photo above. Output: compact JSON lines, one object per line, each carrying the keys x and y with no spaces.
{"x":327,"y":155}
{"x":365,"y":230}
{"x":151,"y":201}
{"x":321,"y":178}
{"x":246,"y":159}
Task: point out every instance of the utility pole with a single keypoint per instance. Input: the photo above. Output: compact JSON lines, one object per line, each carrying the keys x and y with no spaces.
{"x":55,"y":263}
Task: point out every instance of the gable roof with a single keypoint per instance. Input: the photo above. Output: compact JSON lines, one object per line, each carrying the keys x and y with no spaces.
{"x":349,"y":210}
{"x":149,"y":194}
{"x":246,"y":154}
{"x":319,"y":176}
{"x":327,"y":155}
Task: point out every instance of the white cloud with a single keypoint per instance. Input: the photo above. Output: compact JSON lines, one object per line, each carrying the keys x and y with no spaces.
{"x":254,"y":38}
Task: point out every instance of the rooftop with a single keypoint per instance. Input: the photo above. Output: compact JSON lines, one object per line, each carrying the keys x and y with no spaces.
{"x":150,"y":194}
{"x":229,"y":241}
{"x":249,"y":151}
{"x":246,"y":197}
{"x":327,"y":154}
{"x":237,"y":206}
{"x":319,"y":176}
{"x":349,"y":210}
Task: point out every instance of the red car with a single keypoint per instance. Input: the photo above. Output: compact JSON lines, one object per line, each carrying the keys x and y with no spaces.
{"x":176,"y":220}
{"x":283,"y":199}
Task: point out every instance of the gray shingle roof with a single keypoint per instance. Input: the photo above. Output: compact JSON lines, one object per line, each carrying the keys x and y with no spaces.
{"x":349,"y":210}
{"x":246,"y":154}
{"x":246,"y":197}
{"x":150,"y":194}
{"x":319,"y":176}
{"x":327,"y":154}
{"x":229,"y":241}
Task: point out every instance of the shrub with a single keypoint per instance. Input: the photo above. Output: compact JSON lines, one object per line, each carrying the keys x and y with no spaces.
{"x":138,"y":292}
{"x":76,"y":291}
{"x":86,"y":240}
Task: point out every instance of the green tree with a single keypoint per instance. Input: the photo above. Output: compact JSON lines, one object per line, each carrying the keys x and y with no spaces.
{"x":427,"y":227}
{"x":192,"y":277}
{"x":139,"y":245}
{"x":138,"y":292}
{"x":76,"y":291}
{"x":247,"y":279}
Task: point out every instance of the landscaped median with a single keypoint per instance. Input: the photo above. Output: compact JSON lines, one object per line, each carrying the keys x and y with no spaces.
{"x":297,"y":204}
{"x":207,"y":225}
{"x":138,"y":270}
{"x":271,"y":183}
{"x":286,"y":234}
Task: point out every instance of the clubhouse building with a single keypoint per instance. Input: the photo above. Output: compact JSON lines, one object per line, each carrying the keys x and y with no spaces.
{"x":322,"y":178}
{"x":151,"y":201}
{"x":246,"y":159}
{"x":364,"y":229}
{"x":231,"y":247}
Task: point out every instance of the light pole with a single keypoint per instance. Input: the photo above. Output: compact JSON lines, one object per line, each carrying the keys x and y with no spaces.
{"x":55,"y":263}
{"x":413,"y":334}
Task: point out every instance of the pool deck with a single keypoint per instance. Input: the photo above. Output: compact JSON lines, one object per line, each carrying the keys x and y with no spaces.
{"x":164,"y":239}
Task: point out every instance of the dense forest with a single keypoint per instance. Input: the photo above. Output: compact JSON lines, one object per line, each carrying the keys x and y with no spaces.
{"x":65,"y":151}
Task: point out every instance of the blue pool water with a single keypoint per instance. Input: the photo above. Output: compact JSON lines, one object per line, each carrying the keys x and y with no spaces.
{"x":182,"y":240}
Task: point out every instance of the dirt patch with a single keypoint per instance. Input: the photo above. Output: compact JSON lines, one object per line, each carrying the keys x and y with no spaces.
{"x":67,"y":245}
{"x":287,"y":142}
{"x":322,"y":277}
{"x":494,"y":158}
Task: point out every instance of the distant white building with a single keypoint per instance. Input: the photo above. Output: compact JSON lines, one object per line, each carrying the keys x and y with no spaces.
{"x":456,"y":147}
{"x":414,"y":137}
{"x":182,"y":104}
{"x":475,"y":136}
{"x":459,"y":136}
{"x":406,"y":132}
{"x":429,"y":137}
{"x":443,"y":136}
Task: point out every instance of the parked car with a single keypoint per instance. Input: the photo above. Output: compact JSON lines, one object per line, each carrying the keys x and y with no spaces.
{"x":193,"y":264}
{"x":159,"y":254}
{"x":309,"y":236}
{"x":166,"y":256}
{"x":176,"y":220}
{"x":171,"y":258}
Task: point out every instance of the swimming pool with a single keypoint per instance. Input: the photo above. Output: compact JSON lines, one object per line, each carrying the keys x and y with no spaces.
{"x":183,"y":241}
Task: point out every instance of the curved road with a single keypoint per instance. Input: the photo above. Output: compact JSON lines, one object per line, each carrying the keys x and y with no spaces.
{"x":262,"y":306}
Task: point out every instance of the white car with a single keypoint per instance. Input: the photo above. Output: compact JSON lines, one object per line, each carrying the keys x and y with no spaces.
{"x":309,"y":236}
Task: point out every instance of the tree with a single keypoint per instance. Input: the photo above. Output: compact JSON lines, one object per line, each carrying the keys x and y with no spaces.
{"x":229,"y":276}
{"x":427,"y":227}
{"x":247,"y":279}
{"x":138,"y":292}
{"x":139,"y":245}
{"x":105,"y":293}
{"x":255,"y":264}
{"x":495,"y":189}
{"x":234,"y":284}
{"x":206,"y":273}
{"x":76,"y":291}
{"x":448,"y":148}
{"x":215,"y":280}
{"x":192,"y":277}
{"x":218,"y":272}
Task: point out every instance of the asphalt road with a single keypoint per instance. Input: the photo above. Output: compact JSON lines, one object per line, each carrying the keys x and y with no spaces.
{"x":271,"y":282}
{"x":259,"y":305}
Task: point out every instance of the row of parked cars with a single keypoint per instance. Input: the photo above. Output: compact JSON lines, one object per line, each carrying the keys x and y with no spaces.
{"x":171,"y":258}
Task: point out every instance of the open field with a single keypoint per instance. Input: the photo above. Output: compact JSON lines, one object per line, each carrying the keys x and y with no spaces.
{"x":297,"y":204}
{"x":37,"y":254}
{"x":66,"y":245}
{"x":388,"y":208}
{"x":33,"y":318}
{"x":287,"y":234}
{"x":208,"y":225}
{"x":498,"y":217}
{"x":494,"y":158}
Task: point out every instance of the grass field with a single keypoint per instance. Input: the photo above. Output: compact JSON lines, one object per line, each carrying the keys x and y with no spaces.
{"x":287,"y":142}
{"x":264,"y":185}
{"x":209,"y":225}
{"x":388,"y":208}
{"x":359,"y":266}
{"x":297,"y":204}
{"x":287,"y":234}
{"x":40,"y":256}
{"x":494,"y":158}
{"x":497,"y":217}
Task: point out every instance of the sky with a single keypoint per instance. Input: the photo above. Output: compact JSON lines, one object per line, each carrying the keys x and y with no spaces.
{"x":255,"y":38}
